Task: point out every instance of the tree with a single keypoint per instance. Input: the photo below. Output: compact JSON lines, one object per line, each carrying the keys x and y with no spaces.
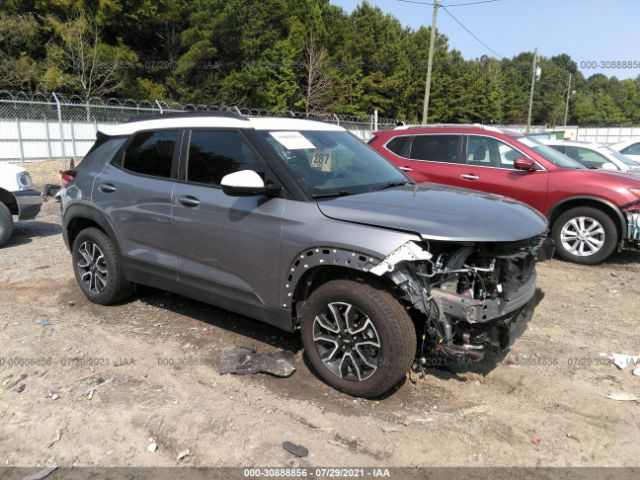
{"x":318,"y":82}
{"x":285,"y":54}
{"x":19,"y":36}
{"x":80,"y":63}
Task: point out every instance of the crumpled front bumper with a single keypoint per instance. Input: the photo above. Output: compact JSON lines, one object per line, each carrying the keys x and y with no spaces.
{"x":633,"y":227}
{"x":29,"y":204}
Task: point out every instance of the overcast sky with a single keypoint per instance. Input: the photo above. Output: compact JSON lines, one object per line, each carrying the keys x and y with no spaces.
{"x":588,"y":30}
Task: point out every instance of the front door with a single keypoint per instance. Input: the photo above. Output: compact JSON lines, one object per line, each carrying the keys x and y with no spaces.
{"x":227,"y":247}
{"x":489,"y":168}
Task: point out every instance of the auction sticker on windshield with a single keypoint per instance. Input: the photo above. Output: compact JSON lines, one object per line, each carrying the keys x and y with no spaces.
{"x":321,"y":160}
{"x":292,"y":140}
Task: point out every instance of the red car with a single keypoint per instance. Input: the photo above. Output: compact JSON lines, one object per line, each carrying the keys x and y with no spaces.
{"x":592,"y":213}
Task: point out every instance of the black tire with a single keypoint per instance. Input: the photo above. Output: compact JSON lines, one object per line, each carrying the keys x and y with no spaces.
{"x":115,"y":287}
{"x":609,"y":235}
{"x":6,"y":224}
{"x":391,"y":323}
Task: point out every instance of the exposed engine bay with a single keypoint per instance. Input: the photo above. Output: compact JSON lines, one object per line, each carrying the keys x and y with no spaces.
{"x":470,"y":297}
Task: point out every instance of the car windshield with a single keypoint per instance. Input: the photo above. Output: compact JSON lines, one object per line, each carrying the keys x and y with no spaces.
{"x":333,"y":163}
{"x":620,"y":157}
{"x":550,"y":154}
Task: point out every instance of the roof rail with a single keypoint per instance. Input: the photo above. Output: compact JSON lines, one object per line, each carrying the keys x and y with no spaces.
{"x":456,"y":125}
{"x":197,"y":113}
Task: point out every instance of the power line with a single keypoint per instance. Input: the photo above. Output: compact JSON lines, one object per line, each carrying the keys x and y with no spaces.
{"x":470,"y":3}
{"x":452,"y":5}
{"x":470,"y":32}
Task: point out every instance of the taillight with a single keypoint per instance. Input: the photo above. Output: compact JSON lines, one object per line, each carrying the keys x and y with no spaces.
{"x":66,"y":176}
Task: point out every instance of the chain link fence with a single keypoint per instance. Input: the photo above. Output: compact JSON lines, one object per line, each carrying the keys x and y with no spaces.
{"x":37,"y":126}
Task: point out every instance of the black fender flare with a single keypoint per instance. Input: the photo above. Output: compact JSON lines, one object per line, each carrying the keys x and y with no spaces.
{"x":78,"y":211}
{"x":330,"y":256}
{"x":622,"y":222}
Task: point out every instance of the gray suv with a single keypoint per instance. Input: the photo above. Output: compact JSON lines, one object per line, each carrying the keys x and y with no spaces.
{"x":300,"y":225}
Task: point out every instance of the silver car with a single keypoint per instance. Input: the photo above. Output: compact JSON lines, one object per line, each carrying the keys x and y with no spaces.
{"x":300,"y":225}
{"x":596,"y":156}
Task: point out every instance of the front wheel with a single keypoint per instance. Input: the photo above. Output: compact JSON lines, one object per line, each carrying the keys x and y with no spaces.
{"x":359,"y":339}
{"x":585,"y":235}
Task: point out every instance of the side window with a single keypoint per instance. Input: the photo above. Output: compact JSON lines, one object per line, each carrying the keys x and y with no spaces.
{"x":586,"y":157}
{"x":437,"y":148}
{"x":490,"y":152}
{"x":633,"y":149}
{"x":215,"y":153}
{"x":151,"y":153}
{"x":398,"y":145}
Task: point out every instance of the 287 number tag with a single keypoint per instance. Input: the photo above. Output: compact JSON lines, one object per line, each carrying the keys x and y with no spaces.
{"x":321,"y":159}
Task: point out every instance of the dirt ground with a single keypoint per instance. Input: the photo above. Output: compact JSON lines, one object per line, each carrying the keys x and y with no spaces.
{"x":544,"y":404}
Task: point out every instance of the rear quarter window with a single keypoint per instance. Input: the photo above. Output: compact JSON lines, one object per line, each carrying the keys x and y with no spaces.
{"x":399,"y":145}
{"x":151,"y":153}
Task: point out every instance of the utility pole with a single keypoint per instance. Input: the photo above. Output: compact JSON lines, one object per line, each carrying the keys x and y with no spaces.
{"x":533,"y":84}
{"x":566,"y":110}
{"x":427,"y":88}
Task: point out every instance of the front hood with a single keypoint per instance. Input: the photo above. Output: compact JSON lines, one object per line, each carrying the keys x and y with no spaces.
{"x":625,"y":178}
{"x":10,"y":169}
{"x":438,"y":212}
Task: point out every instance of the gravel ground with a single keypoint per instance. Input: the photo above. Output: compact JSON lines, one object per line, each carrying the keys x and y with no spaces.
{"x":544,"y":404}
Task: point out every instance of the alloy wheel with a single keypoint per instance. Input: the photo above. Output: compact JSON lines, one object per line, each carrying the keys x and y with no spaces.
{"x":347,"y":341}
{"x":92,"y":267}
{"x":582,"y":236}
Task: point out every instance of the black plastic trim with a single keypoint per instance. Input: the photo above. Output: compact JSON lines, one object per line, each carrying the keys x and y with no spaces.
{"x":622,"y":222}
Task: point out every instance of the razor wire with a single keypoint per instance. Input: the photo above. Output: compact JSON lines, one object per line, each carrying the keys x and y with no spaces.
{"x":73,"y":108}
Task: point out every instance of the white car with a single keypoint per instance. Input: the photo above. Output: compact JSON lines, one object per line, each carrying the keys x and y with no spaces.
{"x":629,"y":148}
{"x":596,"y":156}
{"x":17,"y":197}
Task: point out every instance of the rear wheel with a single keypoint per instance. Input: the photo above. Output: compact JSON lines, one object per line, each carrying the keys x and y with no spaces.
{"x":358,"y":338}
{"x":6,"y":224}
{"x":585,"y":235}
{"x":96,"y":265}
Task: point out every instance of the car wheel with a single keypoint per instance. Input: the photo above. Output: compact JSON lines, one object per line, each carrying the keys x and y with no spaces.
{"x":6,"y":224}
{"x":358,"y":338}
{"x":585,"y":235}
{"x":96,"y":264}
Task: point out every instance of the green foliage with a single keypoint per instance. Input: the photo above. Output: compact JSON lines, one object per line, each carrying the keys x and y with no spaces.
{"x":282,"y":55}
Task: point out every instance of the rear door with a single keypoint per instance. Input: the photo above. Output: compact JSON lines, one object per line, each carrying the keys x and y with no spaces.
{"x":428,"y":157}
{"x":134,"y":191}
{"x":489,"y":168}
{"x":227,"y":247}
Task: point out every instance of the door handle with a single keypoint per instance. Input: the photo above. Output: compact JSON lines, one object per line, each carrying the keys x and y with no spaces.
{"x":406,"y":169}
{"x":107,"y":188}
{"x":469,"y":176}
{"x":189,"y":201}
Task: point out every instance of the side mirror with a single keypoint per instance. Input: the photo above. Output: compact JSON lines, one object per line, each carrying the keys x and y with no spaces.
{"x":526,"y":164}
{"x":246,"y":183}
{"x":609,"y":166}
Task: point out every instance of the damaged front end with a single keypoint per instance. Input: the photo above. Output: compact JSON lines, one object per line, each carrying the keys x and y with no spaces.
{"x":470,"y":297}
{"x":633,"y":229}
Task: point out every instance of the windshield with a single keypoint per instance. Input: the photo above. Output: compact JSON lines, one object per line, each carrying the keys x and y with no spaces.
{"x":550,"y":154}
{"x":620,"y":157}
{"x":333,"y":163}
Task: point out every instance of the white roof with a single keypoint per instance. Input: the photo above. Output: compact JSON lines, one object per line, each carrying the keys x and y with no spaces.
{"x":203,"y":121}
{"x":575,"y":143}
{"x":620,"y":145}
